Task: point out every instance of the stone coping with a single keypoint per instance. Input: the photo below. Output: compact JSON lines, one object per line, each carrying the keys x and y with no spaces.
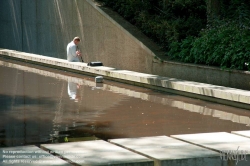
{"x":214,"y":93}
{"x":165,"y":100}
{"x":233,"y":148}
{"x":96,"y":152}
{"x":168,"y":151}
{"x":244,"y":133}
{"x":28,"y":156}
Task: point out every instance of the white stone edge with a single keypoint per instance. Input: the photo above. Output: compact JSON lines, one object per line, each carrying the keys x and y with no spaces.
{"x":214,"y":91}
{"x":203,"y":110}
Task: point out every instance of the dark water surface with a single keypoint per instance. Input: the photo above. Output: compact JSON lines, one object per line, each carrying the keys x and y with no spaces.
{"x":43,"y":105}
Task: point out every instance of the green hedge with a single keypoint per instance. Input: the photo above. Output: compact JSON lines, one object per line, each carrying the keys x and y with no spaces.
{"x":226,"y":45}
{"x":180,"y":28}
{"x":163,"y":25}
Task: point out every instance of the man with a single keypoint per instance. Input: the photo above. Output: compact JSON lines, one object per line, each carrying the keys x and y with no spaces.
{"x":73,"y":54}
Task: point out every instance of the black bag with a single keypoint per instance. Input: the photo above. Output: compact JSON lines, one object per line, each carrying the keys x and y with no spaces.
{"x":95,"y":64}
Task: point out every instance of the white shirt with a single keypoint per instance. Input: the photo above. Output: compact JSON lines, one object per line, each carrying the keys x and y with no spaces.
{"x":72,"y":88}
{"x":71,"y":52}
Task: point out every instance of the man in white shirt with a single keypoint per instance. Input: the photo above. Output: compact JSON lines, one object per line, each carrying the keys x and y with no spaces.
{"x":73,"y":54}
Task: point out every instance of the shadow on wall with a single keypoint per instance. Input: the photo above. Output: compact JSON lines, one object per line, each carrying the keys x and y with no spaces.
{"x":41,"y":27}
{"x":10,"y":18}
{"x":46,"y":27}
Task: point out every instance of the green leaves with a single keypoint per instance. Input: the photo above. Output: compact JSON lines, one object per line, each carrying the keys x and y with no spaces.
{"x":164,"y":25}
{"x":180,"y":28}
{"x":226,"y":46}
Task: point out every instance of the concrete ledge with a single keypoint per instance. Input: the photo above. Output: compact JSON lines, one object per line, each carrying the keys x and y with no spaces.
{"x":232,"y":148}
{"x":102,"y":30}
{"x":97,"y":153}
{"x":168,"y":151}
{"x":225,"y":95}
{"x":165,"y":100}
{"x":28,"y":156}
{"x":245,"y":133}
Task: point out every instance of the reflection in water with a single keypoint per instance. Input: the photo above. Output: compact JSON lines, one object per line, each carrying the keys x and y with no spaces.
{"x":72,"y":91}
{"x":43,"y":106}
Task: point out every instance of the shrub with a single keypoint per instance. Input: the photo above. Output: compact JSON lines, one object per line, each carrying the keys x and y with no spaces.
{"x":226,"y":45}
{"x":163,"y":25}
{"x":181,"y":29}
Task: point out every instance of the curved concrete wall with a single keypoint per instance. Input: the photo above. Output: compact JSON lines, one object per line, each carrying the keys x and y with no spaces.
{"x":46,"y":26}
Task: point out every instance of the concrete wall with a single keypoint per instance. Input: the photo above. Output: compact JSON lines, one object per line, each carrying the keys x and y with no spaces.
{"x":42,"y":27}
{"x":10,"y":22}
{"x":204,"y":74}
{"x":46,"y":26}
{"x":107,"y":41}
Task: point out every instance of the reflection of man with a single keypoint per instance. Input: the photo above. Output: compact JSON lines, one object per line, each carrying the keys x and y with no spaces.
{"x":73,"y":54}
{"x":72,"y":91}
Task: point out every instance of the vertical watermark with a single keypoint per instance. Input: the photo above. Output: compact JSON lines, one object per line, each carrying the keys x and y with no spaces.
{"x":234,"y":155}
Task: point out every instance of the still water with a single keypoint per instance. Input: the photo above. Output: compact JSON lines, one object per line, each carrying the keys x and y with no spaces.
{"x":43,"y":105}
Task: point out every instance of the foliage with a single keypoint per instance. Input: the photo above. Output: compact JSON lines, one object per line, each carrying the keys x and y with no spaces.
{"x":174,"y":22}
{"x":226,"y":45}
{"x":181,"y":29}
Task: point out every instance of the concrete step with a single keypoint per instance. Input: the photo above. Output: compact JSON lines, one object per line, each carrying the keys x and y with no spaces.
{"x":233,"y":148}
{"x":245,"y":133}
{"x":28,"y":156}
{"x":97,"y":152}
{"x":168,"y":151}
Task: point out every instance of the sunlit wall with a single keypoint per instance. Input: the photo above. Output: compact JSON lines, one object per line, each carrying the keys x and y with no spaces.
{"x":43,"y":27}
{"x":46,"y":26}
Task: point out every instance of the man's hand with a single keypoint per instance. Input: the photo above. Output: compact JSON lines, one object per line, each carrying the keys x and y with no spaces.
{"x":78,"y":53}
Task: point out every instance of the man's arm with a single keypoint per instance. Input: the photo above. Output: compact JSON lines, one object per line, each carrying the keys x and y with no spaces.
{"x":73,"y":51}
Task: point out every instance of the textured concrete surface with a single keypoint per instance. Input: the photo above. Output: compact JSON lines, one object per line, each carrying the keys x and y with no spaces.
{"x":168,"y":151}
{"x":97,"y":153}
{"x":28,"y":156}
{"x":236,"y":147}
{"x":45,"y":27}
{"x":225,"y":95}
{"x":245,"y":133}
